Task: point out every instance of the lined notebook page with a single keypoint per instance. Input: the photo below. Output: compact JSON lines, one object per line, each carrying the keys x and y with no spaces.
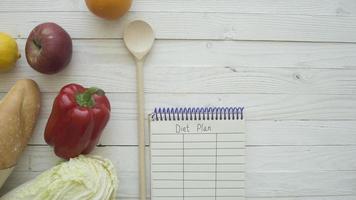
{"x":198,"y":160}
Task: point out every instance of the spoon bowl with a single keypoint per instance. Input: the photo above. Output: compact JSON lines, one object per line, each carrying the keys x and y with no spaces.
{"x":139,"y":38}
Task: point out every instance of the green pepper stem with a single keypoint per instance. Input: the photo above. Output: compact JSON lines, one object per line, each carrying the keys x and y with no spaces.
{"x":85,"y":99}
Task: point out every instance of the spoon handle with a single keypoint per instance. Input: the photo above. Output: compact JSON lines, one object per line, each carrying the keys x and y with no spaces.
{"x":141,"y":128}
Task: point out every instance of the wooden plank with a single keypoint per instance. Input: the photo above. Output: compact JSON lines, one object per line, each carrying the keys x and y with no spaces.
{"x":260,"y":133}
{"x":256,"y":68}
{"x":298,"y":158}
{"x":228,"y":80}
{"x":261,"y":159}
{"x":265,"y":186}
{"x":298,"y":133}
{"x":285,"y":184}
{"x":333,"y":197}
{"x":124,"y":158}
{"x":321,"y":197}
{"x":303,"y":7}
{"x":121,"y":128}
{"x":289,"y":159}
{"x":281,"y":183}
{"x":188,"y":53}
{"x":258,"y":106}
{"x":218,"y":26}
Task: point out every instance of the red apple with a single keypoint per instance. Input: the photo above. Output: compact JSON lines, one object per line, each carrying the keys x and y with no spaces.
{"x":48,"y":48}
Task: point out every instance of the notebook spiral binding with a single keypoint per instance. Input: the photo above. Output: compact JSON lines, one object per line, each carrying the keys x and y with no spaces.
{"x":199,"y":113}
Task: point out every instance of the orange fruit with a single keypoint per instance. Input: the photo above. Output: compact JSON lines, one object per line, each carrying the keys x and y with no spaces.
{"x":109,"y":9}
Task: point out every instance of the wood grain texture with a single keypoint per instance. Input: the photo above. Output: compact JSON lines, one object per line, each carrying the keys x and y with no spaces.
{"x":229,"y":67}
{"x":292,"y":64}
{"x":260,"y":133}
{"x":217,"y":26}
{"x":300,"y":158}
{"x":301,"y":184}
{"x":304,"y":7}
{"x":265,"y":178}
{"x":279,"y":185}
{"x":260,"y":110}
{"x":258,"y":106}
{"x":227,"y":80}
{"x":322,"y":197}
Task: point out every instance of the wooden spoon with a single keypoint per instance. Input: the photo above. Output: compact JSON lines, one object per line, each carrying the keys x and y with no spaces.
{"x":139,"y":38}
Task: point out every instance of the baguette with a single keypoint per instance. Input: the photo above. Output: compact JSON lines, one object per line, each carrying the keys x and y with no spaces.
{"x":19,"y":110}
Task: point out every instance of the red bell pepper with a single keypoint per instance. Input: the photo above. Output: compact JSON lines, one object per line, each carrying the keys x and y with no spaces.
{"x":77,"y":120}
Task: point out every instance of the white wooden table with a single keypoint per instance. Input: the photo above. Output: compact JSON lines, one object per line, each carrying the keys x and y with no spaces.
{"x":292,"y":64}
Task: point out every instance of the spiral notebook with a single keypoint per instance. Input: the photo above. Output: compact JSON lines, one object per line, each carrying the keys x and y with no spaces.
{"x":197,"y":154}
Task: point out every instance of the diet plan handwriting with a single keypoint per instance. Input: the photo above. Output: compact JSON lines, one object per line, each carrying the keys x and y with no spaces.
{"x":198,"y":158}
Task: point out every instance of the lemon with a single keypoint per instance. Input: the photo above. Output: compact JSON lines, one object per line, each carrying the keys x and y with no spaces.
{"x":9,"y":52}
